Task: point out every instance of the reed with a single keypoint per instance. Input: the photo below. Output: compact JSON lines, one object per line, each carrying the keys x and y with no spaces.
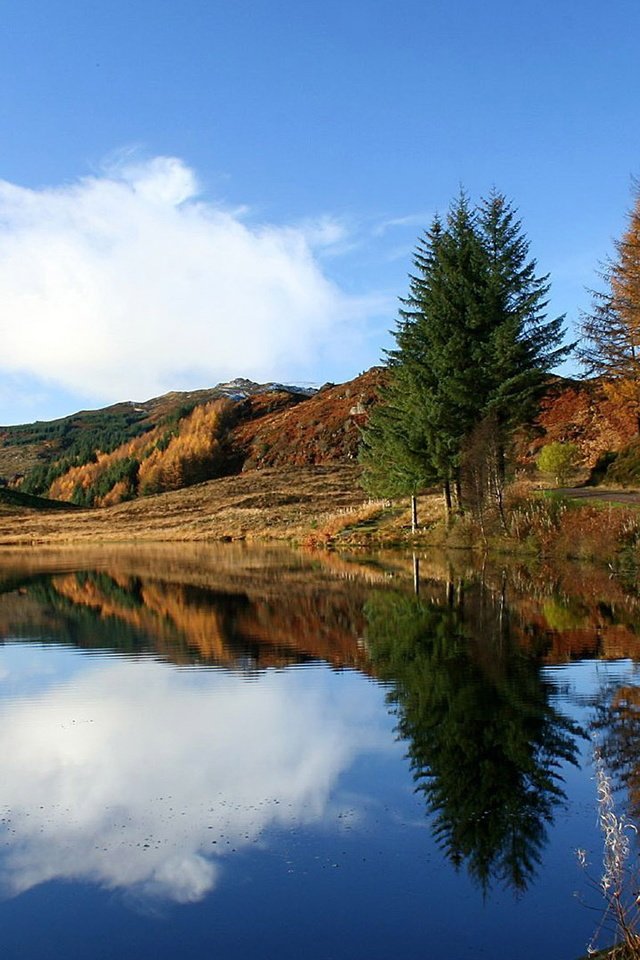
{"x":619,"y":883}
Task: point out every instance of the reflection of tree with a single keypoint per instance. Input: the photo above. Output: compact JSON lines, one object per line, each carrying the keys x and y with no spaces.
{"x":485,"y":742}
{"x":616,"y":727}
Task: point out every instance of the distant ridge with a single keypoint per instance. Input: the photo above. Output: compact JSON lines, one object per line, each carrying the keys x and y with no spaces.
{"x":240,"y":388}
{"x":100,"y":457}
{"x":131,"y":449}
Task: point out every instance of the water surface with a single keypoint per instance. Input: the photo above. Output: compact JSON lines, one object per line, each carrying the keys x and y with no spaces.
{"x":256,"y":753}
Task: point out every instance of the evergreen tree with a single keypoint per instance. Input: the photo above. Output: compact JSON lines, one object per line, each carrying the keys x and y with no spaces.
{"x":401,"y":449}
{"x":472,"y":344}
{"x":523,"y":344}
{"x":430,"y":404}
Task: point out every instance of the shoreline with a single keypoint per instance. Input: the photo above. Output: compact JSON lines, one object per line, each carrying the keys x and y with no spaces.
{"x":324,"y":508}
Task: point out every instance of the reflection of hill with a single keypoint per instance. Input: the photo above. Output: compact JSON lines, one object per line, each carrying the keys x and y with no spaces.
{"x":226,"y":603}
{"x":574,"y":612}
{"x":186,"y":623}
{"x":561,"y":611}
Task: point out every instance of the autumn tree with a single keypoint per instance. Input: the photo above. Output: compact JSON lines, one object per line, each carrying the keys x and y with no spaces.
{"x":558,"y":459}
{"x":611,"y":330}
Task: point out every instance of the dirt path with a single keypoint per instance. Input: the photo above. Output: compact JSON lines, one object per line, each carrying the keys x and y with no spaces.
{"x":599,"y":493}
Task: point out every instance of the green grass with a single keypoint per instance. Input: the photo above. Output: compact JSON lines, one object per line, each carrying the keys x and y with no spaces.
{"x":14,"y":498}
{"x":576,"y":502}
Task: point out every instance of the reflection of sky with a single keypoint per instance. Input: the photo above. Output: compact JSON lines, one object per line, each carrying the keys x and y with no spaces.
{"x":577,"y":683}
{"x":136,"y":775}
{"x":578,"y":686}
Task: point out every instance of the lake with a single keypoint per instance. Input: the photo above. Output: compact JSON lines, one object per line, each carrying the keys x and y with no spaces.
{"x":220,"y":751}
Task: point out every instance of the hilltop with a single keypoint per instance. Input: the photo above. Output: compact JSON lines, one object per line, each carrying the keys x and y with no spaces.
{"x":28,"y":446}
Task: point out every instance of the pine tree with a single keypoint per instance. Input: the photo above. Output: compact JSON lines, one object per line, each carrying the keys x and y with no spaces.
{"x":395,"y":450}
{"x":523,"y":345}
{"x":414,"y":439}
{"x":611,"y":331}
{"x":473,"y":345}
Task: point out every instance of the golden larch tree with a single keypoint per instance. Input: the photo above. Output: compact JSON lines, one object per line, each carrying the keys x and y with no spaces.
{"x":611,"y":331}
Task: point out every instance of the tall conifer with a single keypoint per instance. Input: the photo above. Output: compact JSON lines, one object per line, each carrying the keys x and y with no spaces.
{"x":472,"y":343}
{"x":523,"y":345}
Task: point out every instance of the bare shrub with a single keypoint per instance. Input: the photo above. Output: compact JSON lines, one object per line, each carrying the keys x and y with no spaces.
{"x":619,"y":881}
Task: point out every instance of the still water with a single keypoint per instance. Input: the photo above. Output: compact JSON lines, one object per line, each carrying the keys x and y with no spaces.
{"x":232,"y":753}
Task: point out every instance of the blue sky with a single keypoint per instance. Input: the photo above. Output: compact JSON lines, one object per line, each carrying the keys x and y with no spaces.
{"x":196,"y":190}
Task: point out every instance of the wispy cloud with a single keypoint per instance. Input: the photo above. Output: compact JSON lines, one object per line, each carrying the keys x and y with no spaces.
{"x":126,"y":283}
{"x":419,"y":220}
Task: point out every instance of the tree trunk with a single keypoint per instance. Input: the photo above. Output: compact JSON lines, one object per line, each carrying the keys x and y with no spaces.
{"x":416,"y":575}
{"x":457,"y":486}
{"x":451,"y":591}
{"x":414,"y":513}
{"x":446,"y":490}
{"x":499,"y":482}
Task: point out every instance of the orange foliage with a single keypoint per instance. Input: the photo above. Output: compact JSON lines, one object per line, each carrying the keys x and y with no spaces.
{"x":87,"y":475}
{"x":325,"y":626}
{"x":192,"y":454}
{"x":588,"y":414}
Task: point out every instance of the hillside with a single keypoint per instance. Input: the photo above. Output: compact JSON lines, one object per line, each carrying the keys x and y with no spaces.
{"x":25,"y":446}
{"x":13,"y":501}
{"x":104,"y":457}
{"x":268,"y":504}
{"x":584,"y":413}
{"x":99,"y":458}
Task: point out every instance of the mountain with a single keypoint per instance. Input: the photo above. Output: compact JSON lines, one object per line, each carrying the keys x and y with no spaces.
{"x":101,"y":457}
{"x":26,"y":446}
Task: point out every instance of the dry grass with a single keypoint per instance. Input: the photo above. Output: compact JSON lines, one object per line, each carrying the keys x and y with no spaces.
{"x":327,"y":528}
{"x":273,"y":504}
{"x":320,"y":506}
{"x":588,"y":530}
{"x":312,"y":505}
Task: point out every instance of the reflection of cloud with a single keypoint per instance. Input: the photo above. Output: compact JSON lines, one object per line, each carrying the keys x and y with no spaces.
{"x":141,"y":777}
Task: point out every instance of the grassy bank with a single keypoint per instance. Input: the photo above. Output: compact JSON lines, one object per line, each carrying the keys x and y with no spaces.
{"x":542,"y":524}
{"x":324,"y":508}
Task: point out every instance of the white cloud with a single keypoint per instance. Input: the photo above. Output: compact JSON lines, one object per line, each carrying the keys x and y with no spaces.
{"x":139,"y":777}
{"x":124,"y":285}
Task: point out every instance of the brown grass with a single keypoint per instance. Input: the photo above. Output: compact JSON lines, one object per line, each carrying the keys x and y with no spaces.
{"x":272,"y":504}
{"x":320,"y":507}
